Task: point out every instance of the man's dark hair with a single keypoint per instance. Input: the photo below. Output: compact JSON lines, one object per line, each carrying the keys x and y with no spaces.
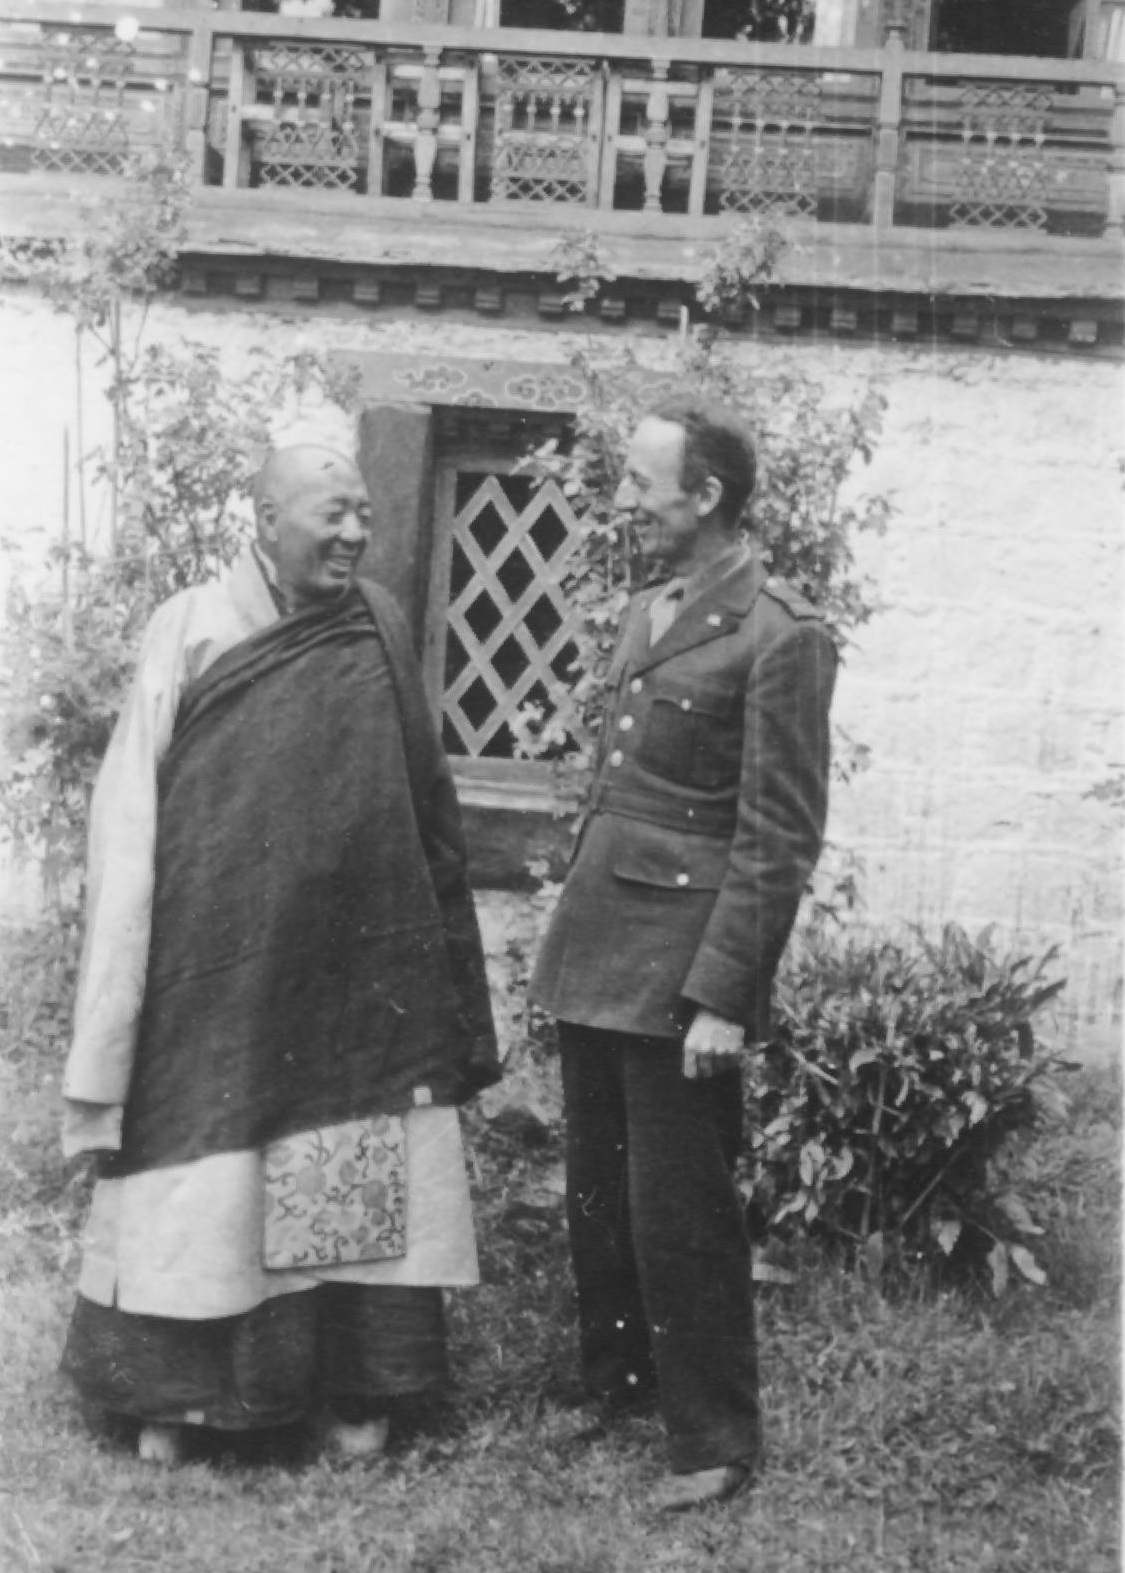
{"x":716,"y":443}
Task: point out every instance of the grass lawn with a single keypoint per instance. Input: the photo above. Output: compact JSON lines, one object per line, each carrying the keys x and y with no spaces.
{"x":934,"y":1431}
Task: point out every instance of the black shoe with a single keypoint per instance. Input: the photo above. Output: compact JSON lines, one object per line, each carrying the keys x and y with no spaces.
{"x":681,"y":1493}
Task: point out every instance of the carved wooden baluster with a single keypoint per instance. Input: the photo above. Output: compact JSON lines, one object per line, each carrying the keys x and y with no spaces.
{"x":93,"y":65}
{"x":347,"y":115}
{"x":68,"y":75}
{"x":429,"y":110}
{"x":656,"y":136}
{"x":991,"y":133}
{"x":759,"y":149}
{"x":118,"y":91}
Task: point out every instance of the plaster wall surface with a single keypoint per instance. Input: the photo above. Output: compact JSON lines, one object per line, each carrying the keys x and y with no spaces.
{"x":988,"y":688}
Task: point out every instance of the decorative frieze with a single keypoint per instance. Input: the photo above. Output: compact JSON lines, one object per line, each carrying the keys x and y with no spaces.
{"x":1049,"y":324}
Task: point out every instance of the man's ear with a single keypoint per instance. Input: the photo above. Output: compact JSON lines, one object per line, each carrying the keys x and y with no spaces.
{"x":710,"y":494}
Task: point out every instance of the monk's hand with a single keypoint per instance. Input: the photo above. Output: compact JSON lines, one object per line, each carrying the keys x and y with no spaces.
{"x":91,"y":1127}
{"x":712,"y":1046}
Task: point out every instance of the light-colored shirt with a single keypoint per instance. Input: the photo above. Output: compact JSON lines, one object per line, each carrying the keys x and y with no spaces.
{"x":670,"y":600}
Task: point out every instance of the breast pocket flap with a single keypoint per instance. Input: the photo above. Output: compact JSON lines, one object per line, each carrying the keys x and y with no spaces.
{"x":650,"y":855}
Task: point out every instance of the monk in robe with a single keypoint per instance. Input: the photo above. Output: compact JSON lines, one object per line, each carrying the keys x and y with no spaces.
{"x":282,"y":1002}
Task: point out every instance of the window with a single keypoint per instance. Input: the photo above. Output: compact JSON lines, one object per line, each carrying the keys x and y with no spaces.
{"x":499,"y":634}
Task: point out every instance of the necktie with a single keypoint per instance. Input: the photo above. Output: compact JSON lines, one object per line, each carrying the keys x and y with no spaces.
{"x":662,"y":612}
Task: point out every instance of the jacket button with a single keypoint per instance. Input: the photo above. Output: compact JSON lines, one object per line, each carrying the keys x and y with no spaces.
{"x":616,"y":758}
{"x":626,"y":723}
{"x":635,"y":686}
{"x":683,"y":879}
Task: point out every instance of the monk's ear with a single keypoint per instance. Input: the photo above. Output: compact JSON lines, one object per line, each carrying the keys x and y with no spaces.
{"x":267,"y":521}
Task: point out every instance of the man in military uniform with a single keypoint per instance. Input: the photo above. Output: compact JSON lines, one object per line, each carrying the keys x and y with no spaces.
{"x":705,"y":822}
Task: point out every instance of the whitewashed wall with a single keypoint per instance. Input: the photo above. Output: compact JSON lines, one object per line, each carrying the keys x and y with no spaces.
{"x":989,"y":689}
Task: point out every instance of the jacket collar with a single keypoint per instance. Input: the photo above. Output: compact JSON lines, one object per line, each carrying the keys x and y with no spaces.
{"x":718,"y":610}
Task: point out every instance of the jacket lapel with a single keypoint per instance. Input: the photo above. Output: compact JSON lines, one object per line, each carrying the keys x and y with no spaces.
{"x":716,"y":612}
{"x":633,"y":644}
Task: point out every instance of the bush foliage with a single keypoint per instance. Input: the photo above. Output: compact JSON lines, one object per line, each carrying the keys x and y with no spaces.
{"x":897,"y":1074}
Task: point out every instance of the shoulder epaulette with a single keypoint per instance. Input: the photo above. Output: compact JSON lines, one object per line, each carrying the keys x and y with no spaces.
{"x":792,"y":600}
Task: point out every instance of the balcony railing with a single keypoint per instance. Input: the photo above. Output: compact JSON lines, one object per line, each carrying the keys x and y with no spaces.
{"x":385,"y":112}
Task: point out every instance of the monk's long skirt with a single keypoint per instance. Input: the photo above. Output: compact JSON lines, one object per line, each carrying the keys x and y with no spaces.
{"x":270,"y":1366}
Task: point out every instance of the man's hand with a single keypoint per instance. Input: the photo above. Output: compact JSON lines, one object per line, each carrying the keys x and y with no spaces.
{"x":712,"y":1046}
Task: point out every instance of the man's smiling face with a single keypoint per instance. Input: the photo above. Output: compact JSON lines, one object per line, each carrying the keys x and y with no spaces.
{"x":665,"y":517}
{"x":318,"y":526}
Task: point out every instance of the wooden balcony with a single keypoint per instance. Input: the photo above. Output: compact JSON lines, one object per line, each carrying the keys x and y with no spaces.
{"x":450,"y":146}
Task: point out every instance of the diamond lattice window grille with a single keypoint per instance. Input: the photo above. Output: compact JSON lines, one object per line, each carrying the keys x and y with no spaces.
{"x":509,"y":628}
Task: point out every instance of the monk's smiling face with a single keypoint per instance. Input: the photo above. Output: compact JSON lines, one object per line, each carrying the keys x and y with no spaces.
{"x":314,"y":522}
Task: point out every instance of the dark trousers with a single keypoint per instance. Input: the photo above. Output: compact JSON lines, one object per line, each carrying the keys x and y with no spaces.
{"x":661,"y":1256}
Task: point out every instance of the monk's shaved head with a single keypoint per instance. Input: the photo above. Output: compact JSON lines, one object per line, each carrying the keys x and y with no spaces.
{"x":289,"y":470}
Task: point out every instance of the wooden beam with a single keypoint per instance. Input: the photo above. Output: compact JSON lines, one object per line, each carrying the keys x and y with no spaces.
{"x":233,"y":144}
{"x":608,"y":46}
{"x":887,"y":138}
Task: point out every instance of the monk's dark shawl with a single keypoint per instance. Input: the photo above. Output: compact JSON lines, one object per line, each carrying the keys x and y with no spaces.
{"x":314,"y":954}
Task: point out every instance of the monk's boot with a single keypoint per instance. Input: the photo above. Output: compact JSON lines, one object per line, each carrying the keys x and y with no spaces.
{"x":348,"y":1439}
{"x":162,"y":1445}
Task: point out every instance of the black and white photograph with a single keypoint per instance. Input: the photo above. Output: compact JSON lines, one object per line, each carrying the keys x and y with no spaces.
{"x":562,"y":785}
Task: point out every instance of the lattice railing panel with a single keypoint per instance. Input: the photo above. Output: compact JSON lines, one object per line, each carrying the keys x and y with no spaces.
{"x":548,"y":124}
{"x":1002,"y":177}
{"x":312,"y":140}
{"x":83,"y":124}
{"x":509,"y":628}
{"x":768,"y":163}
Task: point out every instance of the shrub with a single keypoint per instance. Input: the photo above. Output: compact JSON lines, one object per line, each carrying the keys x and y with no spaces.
{"x":896,"y":1074}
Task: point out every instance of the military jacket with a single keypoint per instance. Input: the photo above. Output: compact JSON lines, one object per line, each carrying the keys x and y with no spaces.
{"x":706,"y":815}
